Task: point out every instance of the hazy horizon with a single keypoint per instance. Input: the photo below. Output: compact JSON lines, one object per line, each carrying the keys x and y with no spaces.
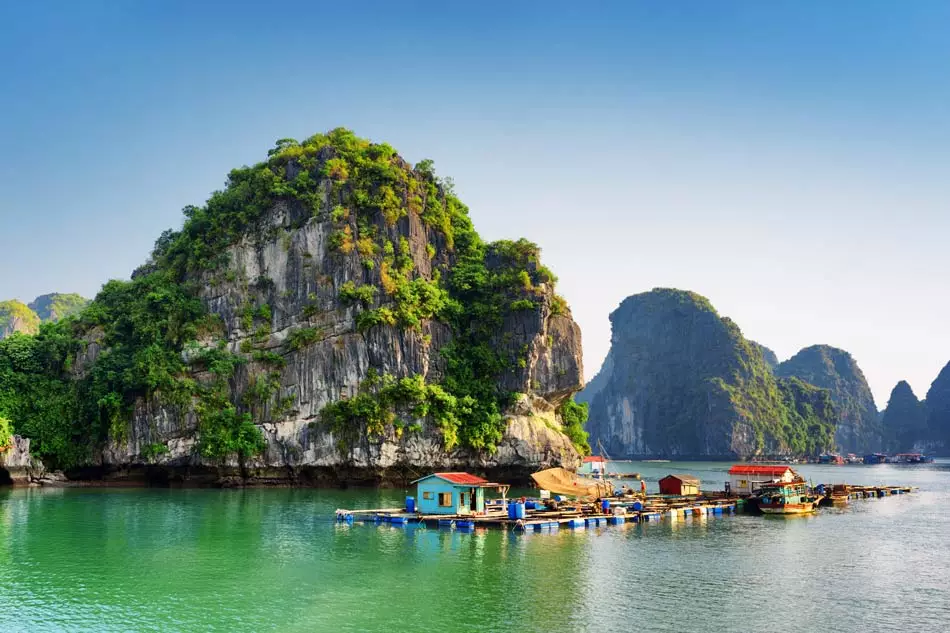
{"x":786,"y":161}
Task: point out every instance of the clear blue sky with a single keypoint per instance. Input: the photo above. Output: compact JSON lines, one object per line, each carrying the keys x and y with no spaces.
{"x":789,"y":160}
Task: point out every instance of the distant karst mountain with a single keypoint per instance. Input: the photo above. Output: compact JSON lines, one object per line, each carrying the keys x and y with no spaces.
{"x":681,"y":381}
{"x":938,"y":408}
{"x":55,"y":306}
{"x":904,"y":420}
{"x":16,"y":316}
{"x":859,"y":430}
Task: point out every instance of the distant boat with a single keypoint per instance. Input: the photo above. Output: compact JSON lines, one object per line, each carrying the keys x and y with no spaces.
{"x":875,"y":458}
{"x":912,"y":458}
{"x":787,"y":498}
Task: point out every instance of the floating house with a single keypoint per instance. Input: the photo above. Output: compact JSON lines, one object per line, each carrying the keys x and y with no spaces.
{"x":679,"y":485}
{"x":453,"y":493}
{"x":593,"y":465}
{"x":744,"y":479}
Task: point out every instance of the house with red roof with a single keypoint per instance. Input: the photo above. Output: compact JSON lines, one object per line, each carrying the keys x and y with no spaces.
{"x":452,"y":493}
{"x":745,"y":479}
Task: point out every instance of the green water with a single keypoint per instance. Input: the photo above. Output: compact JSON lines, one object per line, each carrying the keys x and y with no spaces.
{"x":274,"y":560}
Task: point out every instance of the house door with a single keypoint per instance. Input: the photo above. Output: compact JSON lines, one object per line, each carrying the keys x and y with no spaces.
{"x":474,"y":506}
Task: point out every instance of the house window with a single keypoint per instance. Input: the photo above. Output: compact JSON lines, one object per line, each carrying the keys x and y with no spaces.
{"x":428,"y":496}
{"x":445,"y":499}
{"x":743,"y":483}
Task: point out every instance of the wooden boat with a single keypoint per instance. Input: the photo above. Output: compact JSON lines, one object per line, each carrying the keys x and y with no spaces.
{"x":787,"y":498}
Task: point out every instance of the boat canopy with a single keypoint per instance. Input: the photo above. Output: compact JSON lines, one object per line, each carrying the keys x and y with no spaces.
{"x":564,"y":482}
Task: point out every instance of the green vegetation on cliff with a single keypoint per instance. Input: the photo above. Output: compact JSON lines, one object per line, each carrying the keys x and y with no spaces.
{"x":140,"y":329}
{"x":6,"y":434}
{"x":768,"y":355}
{"x":835,"y":370}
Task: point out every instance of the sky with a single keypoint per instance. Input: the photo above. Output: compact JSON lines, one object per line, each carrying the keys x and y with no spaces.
{"x":788,"y":160}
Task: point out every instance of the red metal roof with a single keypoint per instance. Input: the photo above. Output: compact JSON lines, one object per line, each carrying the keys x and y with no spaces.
{"x":750,"y":469}
{"x":462,"y":478}
{"x":594,"y":458}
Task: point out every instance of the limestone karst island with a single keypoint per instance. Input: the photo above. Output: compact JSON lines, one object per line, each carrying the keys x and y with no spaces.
{"x":461,"y":317}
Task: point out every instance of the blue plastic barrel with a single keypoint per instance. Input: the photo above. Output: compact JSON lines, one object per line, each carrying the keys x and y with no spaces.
{"x":511,"y":511}
{"x":410,"y":504}
{"x":637,"y":506}
{"x":519,"y":510}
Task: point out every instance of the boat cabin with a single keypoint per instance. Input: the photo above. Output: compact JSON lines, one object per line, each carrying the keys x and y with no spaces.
{"x":593,"y":465}
{"x":685,"y":485}
{"x":452,"y":493}
{"x":745,"y":479}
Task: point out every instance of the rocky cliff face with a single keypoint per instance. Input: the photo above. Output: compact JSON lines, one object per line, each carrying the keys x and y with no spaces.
{"x":295,"y":274}
{"x":681,"y":381}
{"x":348,"y":325}
{"x":904,"y":421}
{"x":835,"y":370}
{"x":17,"y":466}
{"x":17,"y":317}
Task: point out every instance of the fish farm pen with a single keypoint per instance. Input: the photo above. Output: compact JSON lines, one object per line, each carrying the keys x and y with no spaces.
{"x":456,"y":501}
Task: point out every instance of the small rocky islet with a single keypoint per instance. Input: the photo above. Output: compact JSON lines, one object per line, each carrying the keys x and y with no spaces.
{"x":332,"y":316}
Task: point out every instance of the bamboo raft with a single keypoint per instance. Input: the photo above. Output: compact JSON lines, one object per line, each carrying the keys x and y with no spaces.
{"x":580,"y":515}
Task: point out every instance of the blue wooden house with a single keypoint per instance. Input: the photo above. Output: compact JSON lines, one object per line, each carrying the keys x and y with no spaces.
{"x":451,"y":493}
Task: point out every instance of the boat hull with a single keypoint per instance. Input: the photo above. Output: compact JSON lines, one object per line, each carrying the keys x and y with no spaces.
{"x":789,"y":508}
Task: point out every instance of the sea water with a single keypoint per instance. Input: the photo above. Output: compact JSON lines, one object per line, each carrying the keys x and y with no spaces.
{"x":96,"y":559}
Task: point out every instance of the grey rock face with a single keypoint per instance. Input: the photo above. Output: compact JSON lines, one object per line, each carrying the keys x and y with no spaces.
{"x":287,"y":266}
{"x":17,"y":466}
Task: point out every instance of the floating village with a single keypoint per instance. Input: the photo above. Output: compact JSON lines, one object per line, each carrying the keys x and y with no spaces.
{"x":589,"y":498}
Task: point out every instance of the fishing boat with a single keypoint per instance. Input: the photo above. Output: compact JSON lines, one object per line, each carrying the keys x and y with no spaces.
{"x":787,"y":498}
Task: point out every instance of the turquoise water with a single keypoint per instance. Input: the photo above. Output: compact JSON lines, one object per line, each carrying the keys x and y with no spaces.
{"x":274,"y":560}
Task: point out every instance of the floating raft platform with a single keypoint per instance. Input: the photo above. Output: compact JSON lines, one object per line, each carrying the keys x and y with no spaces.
{"x":573,"y":516}
{"x":578,"y":515}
